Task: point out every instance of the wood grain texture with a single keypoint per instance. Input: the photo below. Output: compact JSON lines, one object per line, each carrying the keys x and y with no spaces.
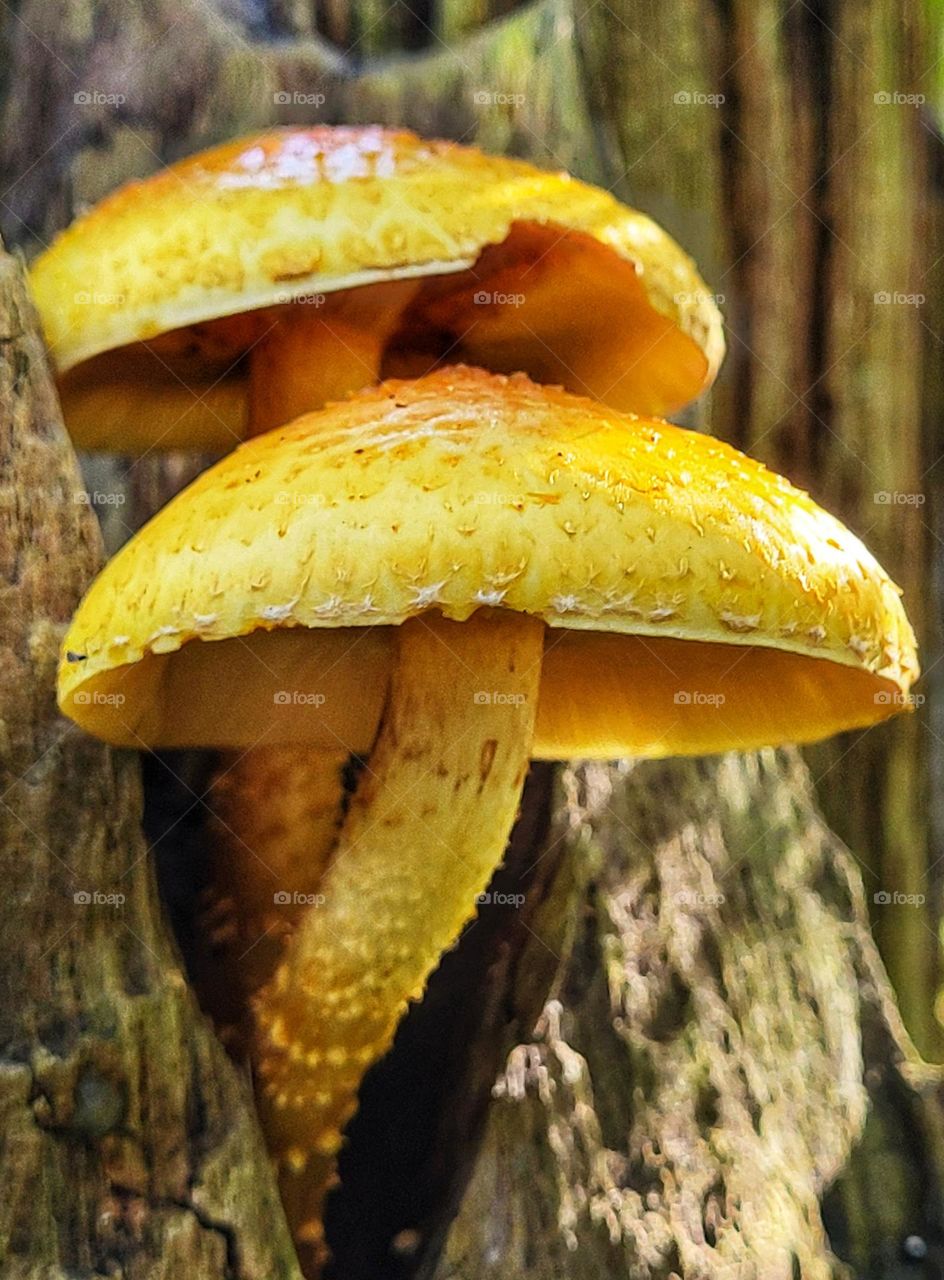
{"x":130,"y":1144}
{"x":829,"y":210}
{"x":694,"y":1083}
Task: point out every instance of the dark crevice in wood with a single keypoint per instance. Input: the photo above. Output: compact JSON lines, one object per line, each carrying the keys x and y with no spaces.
{"x":815,"y":38}
{"x":737,"y":310}
{"x":412,"y":1142}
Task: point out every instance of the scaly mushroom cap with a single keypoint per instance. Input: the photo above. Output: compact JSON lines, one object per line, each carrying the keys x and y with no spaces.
{"x":694,"y":600}
{"x":542,"y":273}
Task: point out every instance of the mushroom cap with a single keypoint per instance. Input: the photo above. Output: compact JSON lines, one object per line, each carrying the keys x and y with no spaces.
{"x":618,"y":310}
{"x":694,"y":600}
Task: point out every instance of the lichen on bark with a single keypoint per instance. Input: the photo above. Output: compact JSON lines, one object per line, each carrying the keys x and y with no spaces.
{"x":129,"y":1141}
{"x":718,"y":1027}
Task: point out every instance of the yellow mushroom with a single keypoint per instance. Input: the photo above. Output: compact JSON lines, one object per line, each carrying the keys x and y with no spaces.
{"x":247,"y":284}
{"x":473,"y":570}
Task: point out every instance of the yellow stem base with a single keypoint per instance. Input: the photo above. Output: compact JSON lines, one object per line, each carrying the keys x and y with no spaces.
{"x":424,"y":834}
{"x":276,"y":815}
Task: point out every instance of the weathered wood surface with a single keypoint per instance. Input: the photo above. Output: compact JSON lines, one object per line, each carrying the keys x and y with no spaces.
{"x":681,"y":1077}
{"x":718,"y":1028}
{"x":129,"y":1144}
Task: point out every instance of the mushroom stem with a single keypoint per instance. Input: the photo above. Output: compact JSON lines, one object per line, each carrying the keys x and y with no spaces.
{"x":276,"y":814}
{"x":303,"y":363}
{"x":277,"y":809}
{"x":424,"y":834}
{"x":321,"y":349}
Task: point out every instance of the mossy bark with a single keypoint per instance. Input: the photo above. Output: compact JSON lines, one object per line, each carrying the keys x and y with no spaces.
{"x":664,"y":1058}
{"x":129,"y":1143}
{"x":718,"y":1035}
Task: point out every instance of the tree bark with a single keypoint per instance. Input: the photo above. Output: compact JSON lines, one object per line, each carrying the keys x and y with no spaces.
{"x":662,"y":1061}
{"x":719,"y":1029}
{"x":129,"y":1142}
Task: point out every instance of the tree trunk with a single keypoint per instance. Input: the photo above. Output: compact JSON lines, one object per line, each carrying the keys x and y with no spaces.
{"x":662,"y":1061}
{"x":694,"y":1085}
{"x":128,"y":1139}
